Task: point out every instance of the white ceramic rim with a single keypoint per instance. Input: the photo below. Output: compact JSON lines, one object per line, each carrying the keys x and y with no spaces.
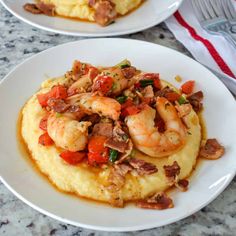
{"x":114,"y":229}
{"x":64,"y":32}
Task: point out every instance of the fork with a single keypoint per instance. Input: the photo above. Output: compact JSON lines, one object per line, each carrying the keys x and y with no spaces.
{"x":211,"y":15}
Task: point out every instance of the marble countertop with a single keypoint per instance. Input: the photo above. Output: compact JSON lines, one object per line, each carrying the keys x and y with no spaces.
{"x":19,"y":41}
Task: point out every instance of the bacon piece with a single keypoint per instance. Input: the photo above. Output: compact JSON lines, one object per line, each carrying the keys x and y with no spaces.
{"x":159,"y":201}
{"x":172,"y":171}
{"x":117,"y":181}
{"x":195,"y":100}
{"x":57,"y":105}
{"x":212,"y":150}
{"x":105,"y":12}
{"x":182,"y":185}
{"x":142,"y":167}
{"x":163,"y":92}
{"x":32,"y":8}
{"x":102,"y":129}
{"x":117,"y":145}
{"x":47,"y":9}
{"x":119,"y":134}
{"x":93,"y":118}
{"x":129,"y":72}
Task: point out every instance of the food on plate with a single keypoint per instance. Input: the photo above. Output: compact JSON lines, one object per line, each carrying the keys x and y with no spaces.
{"x":116,"y":134}
{"x":103,"y":12}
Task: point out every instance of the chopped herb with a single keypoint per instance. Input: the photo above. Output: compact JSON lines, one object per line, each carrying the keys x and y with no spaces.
{"x":114,"y":86}
{"x":145,"y":83}
{"x":58,"y":115}
{"x":124,"y":64}
{"x":113,"y":155}
{"x":182,"y":100}
{"x":121,"y":99}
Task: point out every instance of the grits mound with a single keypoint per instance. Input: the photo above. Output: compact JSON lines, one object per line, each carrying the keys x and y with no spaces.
{"x":81,"y":9}
{"x":91,"y":182}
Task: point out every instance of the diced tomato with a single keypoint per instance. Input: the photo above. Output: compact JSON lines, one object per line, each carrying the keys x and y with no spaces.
{"x":188,"y":87}
{"x":137,"y":85}
{"x":97,"y":152}
{"x":103,"y":83}
{"x":147,"y":100}
{"x":93,"y":72}
{"x":45,"y":140}
{"x":58,"y":92}
{"x":127,"y":103}
{"x":128,"y":111}
{"x":43,"y":99}
{"x":43,"y":123}
{"x":72,"y":158}
{"x":172,"y":96}
{"x":157,"y":83}
{"x":151,"y":76}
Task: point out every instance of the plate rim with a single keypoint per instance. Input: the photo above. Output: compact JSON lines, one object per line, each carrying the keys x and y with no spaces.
{"x":106,"y":228}
{"x":94,"y":35}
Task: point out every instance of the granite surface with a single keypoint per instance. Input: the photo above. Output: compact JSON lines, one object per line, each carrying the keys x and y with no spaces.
{"x":19,"y":41}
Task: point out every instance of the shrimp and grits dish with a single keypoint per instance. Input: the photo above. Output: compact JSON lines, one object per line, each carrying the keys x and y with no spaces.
{"x":116,"y":134}
{"x":103,"y":12}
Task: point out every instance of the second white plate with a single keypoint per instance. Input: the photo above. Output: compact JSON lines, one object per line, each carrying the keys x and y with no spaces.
{"x":150,"y":13}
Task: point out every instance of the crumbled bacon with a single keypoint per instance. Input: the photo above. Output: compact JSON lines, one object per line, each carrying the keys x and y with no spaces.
{"x":129,"y":72}
{"x":117,"y":181}
{"x":182,"y":185}
{"x":212,"y":150}
{"x":159,"y":201}
{"x":163,"y":92}
{"x":195,"y":100}
{"x":57,"y":105}
{"x":127,"y":152}
{"x":105,"y":12}
{"x":142,"y":167}
{"x":102,"y":129}
{"x":117,"y":145}
{"x":93,"y":118}
{"x":171,"y":171}
{"x":32,"y":8}
{"x":47,"y":9}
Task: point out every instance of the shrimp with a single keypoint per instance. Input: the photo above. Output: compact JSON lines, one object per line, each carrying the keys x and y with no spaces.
{"x":81,"y":85}
{"x":103,"y":106}
{"x":146,"y":136}
{"x":68,"y":133}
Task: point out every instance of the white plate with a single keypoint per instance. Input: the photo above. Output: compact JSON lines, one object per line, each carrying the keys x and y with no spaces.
{"x":150,"y":13}
{"x":209,"y":180}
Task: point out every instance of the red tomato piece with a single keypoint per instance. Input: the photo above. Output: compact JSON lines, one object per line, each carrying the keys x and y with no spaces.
{"x":43,"y":123}
{"x":58,"y":92}
{"x":103,"y":83}
{"x":137,"y":85}
{"x":157,"y":83}
{"x":188,"y":87}
{"x":93,"y":72}
{"x":72,"y":158}
{"x":127,"y":103}
{"x":43,"y":99}
{"x":98,"y":153}
{"x":45,"y":140}
{"x":151,"y":76}
{"x":128,"y":111}
{"x":172,"y":96}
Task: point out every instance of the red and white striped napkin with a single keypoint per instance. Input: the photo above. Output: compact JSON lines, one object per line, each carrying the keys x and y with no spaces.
{"x":213,"y":51}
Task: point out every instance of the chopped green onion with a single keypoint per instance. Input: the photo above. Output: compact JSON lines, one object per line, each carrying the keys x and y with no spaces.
{"x":182,"y":100}
{"x":124,"y":64}
{"x":58,"y":115}
{"x":114,"y":86}
{"x":121,"y":99}
{"x":113,"y":155}
{"x":146,"y":82}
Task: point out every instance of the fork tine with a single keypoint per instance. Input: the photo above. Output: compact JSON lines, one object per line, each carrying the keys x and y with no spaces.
{"x":216,"y":8}
{"x":203,"y":9}
{"x":226,"y":9}
{"x":231,"y":9}
{"x":197,"y":10}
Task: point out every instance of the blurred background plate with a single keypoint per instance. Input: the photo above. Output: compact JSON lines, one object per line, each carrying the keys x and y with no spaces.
{"x":150,"y":13}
